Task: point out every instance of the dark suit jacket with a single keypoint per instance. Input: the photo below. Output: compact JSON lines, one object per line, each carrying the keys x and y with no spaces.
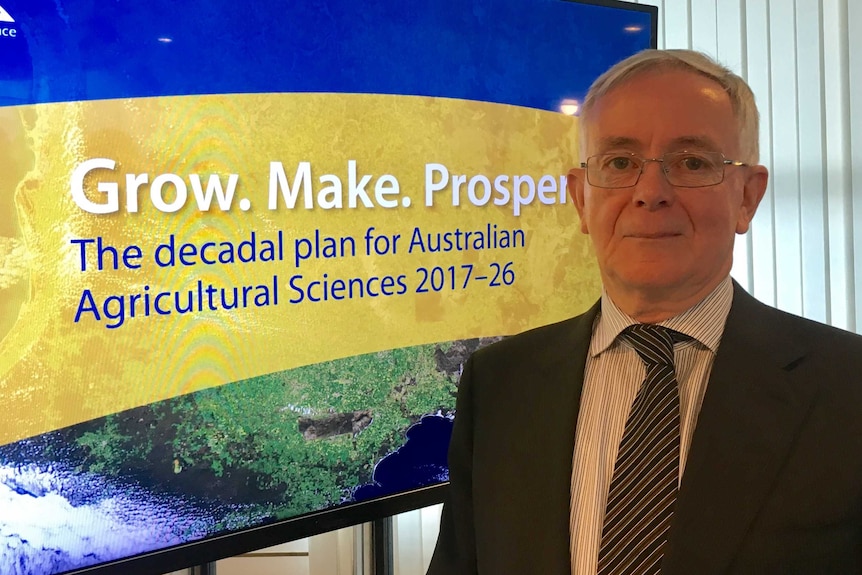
{"x":773,"y":481}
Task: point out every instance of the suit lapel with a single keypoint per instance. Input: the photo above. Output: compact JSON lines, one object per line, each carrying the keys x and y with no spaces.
{"x":555,"y":406}
{"x":752,"y":410}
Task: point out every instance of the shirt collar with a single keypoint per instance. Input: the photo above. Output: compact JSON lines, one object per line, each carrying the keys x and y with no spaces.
{"x":704,"y":322}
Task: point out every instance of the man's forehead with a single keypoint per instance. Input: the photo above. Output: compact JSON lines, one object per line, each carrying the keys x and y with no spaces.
{"x":668,"y":110}
{"x":683,"y":142}
{"x":660,"y":91}
{"x":678,"y":80}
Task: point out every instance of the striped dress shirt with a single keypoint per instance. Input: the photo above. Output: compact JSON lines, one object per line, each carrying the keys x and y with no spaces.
{"x":612,"y":376}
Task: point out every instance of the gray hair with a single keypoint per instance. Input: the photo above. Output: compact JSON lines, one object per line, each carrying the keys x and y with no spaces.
{"x":741,"y":96}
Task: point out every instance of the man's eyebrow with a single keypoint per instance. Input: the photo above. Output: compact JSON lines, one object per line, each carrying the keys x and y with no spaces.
{"x":700,"y":142}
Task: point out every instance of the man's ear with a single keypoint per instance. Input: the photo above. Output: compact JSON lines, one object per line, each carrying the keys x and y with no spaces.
{"x":575,"y":185}
{"x":753,"y":190}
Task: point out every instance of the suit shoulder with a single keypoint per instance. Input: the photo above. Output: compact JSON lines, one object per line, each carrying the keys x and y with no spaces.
{"x":822,"y":355}
{"x":533,"y":341}
{"x":811,"y":330}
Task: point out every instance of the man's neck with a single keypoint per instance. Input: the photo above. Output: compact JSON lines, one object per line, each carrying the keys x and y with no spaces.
{"x":645,"y":306}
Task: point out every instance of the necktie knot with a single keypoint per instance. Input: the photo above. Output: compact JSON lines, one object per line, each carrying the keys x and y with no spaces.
{"x":653,"y":343}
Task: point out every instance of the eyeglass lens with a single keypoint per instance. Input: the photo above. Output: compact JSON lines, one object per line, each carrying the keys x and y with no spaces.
{"x":683,"y":169}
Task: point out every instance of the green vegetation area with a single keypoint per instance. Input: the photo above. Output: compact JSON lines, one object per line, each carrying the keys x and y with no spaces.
{"x":293,"y":441}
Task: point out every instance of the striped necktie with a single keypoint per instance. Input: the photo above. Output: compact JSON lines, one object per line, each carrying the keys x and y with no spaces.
{"x":645,"y":482}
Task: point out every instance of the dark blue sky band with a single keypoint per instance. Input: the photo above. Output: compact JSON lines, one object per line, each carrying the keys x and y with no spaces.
{"x":530,"y":53}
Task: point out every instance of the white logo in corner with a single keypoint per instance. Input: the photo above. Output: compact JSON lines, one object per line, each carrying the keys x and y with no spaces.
{"x":5,"y":16}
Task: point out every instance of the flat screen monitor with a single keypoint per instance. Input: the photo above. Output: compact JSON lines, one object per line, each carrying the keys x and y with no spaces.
{"x":246,"y":248}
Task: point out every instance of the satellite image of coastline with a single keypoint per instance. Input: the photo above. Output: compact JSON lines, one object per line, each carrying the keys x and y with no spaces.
{"x":226,"y":458}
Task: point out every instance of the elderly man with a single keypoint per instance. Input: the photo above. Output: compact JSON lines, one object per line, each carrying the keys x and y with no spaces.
{"x":679,"y":426}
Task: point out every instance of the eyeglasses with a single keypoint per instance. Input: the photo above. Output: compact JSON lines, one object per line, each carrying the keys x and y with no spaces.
{"x":682,"y":169}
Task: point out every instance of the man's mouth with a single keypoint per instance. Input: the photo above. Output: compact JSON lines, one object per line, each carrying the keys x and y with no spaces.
{"x":654,"y":235}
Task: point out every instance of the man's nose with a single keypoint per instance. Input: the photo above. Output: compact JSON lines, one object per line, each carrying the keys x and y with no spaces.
{"x":653,"y":191}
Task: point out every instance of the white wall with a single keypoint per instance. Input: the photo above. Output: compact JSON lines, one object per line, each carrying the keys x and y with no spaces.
{"x":415,"y":538}
{"x":803,"y":254}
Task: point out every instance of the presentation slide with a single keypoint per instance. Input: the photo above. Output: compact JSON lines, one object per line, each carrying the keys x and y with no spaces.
{"x":246,"y":250}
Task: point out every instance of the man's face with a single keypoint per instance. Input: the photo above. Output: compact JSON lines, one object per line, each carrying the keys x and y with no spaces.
{"x":654,"y":240}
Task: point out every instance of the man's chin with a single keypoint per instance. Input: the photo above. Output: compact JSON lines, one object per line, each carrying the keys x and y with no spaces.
{"x":660,"y":283}
{"x":654,"y":277}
